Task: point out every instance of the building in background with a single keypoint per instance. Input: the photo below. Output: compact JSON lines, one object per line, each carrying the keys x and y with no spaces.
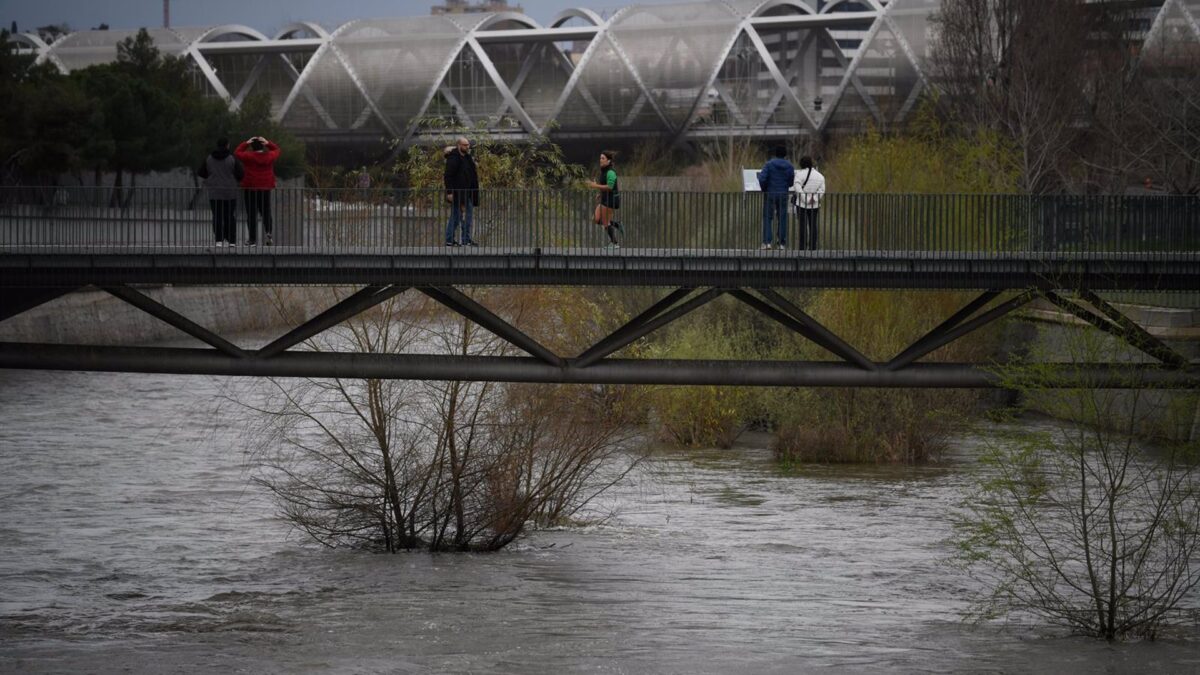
{"x":483,"y":7}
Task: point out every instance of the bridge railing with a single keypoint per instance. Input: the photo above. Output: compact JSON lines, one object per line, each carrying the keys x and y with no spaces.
{"x":145,"y":219}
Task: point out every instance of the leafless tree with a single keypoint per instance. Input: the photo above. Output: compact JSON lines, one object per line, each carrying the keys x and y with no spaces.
{"x":1083,"y":524}
{"x":1013,"y":65}
{"x":446,"y":466}
{"x":1166,"y":118}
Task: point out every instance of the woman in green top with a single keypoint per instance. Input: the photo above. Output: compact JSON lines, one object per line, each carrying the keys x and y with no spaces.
{"x":609,"y":198}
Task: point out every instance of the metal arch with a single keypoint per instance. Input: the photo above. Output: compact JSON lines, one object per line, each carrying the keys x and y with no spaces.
{"x":576,"y":13}
{"x":295,"y":27}
{"x":1192,"y":19}
{"x":768,"y":5}
{"x":580,"y":67}
{"x":505,"y":92}
{"x":792,"y":68}
{"x":500,"y":17}
{"x":210,"y":75}
{"x":716,"y":72}
{"x":851,"y":77}
{"x":637,"y":77}
{"x":356,"y":80}
{"x":773,"y":69}
{"x":904,"y":46}
{"x":328,"y":46}
{"x":875,"y":5}
{"x":1160,"y":20}
{"x":192,"y":50}
{"x":437,"y":83}
{"x":45,"y":50}
{"x":229,"y":29}
{"x":562,"y":61}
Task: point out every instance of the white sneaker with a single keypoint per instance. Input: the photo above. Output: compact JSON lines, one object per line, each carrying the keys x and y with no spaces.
{"x":220,"y":244}
{"x":765,"y":247}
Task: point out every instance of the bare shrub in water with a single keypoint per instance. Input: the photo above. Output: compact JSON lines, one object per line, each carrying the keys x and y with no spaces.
{"x":1084,"y":524}
{"x":876,"y":425}
{"x":704,"y":416}
{"x":445,"y":466}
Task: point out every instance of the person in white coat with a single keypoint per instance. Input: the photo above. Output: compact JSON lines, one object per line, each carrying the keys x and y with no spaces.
{"x":809,"y":189}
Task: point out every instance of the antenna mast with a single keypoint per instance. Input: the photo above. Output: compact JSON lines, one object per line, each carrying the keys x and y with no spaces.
{"x":166,"y":13}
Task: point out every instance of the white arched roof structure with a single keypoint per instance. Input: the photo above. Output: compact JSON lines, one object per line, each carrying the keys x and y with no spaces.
{"x":689,"y":69}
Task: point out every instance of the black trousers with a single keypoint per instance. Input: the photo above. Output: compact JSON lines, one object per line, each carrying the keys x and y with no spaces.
{"x":258,"y":202}
{"x":224,"y":219}
{"x":806,"y":220}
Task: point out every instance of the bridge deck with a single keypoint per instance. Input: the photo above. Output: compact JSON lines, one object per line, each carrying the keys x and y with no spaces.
{"x":58,"y":266}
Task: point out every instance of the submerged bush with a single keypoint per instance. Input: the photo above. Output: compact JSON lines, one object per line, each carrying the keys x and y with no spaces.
{"x":704,"y":416}
{"x":877,"y":425}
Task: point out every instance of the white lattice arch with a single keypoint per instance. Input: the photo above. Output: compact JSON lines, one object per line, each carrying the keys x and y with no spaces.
{"x":310,"y":27}
{"x":576,"y":13}
{"x":505,"y":17}
{"x":768,"y":5}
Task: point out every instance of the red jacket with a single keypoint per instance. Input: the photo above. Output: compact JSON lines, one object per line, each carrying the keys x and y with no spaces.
{"x":260,"y":166}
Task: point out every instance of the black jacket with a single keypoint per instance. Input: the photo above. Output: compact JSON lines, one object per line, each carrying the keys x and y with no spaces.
{"x":461,"y":178}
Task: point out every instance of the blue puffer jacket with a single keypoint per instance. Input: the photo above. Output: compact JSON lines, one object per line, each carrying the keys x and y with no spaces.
{"x":777,"y":176}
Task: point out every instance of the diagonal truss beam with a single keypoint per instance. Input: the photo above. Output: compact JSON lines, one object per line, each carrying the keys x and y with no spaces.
{"x":1119,"y":326}
{"x":460,"y":303}
{"x":628,"y":333}
{"x":634,"y":324}
{"x":353,"y":305}
{"x":948,"y":336}
{"x":803,"y":329}
{"x":826,"y":337}
{"x":941,"y":329}
{"x":176,"y":320}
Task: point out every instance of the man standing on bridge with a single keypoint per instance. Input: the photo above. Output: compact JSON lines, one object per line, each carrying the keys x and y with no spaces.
{"x":462,"y":192}
{"x":776,"y":180}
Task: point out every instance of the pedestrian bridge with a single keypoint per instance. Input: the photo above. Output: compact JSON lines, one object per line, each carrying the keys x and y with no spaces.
{"x":1011,"y":249}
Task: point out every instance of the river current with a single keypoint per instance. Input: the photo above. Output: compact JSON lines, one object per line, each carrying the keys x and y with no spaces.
{"x":133,"y":540}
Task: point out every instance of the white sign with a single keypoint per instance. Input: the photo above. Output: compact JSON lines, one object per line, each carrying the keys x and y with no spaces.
{"x":750,"y":180}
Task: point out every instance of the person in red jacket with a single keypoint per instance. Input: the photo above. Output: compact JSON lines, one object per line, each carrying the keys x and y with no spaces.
{"x":258,"y":156}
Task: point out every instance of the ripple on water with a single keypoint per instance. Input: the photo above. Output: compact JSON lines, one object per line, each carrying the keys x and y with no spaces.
{"x":129,"y":516}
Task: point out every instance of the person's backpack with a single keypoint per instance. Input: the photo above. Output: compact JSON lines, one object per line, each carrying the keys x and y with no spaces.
{"x":799,"y":193}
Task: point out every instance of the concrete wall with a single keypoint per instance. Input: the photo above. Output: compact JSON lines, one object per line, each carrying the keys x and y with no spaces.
{"x":1053,"y":335}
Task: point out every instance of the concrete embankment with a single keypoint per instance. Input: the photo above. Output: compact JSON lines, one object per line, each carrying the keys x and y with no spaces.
{"x":95,"y":317}
{"x":1054,"y":335}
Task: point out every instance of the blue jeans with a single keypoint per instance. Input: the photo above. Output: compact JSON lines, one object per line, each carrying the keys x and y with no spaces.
{"x":775,"y":204}
{"x":457,"y":217}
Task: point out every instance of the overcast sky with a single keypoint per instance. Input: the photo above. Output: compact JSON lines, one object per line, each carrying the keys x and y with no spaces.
{"x":265,"y":15}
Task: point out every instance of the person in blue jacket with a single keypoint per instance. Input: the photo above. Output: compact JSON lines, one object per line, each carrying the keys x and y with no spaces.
{"x":776,"y":179}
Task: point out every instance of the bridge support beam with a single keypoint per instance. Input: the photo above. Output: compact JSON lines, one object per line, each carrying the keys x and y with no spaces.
{"x":609,"y":371}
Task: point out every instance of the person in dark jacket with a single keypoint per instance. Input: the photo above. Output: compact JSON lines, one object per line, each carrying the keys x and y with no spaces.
{"x":258,"y":155}
{"x":776,"y":180}
{"x":462,"y":192}
{"x":222,"y":172}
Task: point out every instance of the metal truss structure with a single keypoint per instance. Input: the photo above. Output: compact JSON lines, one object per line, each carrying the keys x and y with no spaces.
{"x":688,"y":70}
{"x":693,"y":70}
{"x":1164,"y":368}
